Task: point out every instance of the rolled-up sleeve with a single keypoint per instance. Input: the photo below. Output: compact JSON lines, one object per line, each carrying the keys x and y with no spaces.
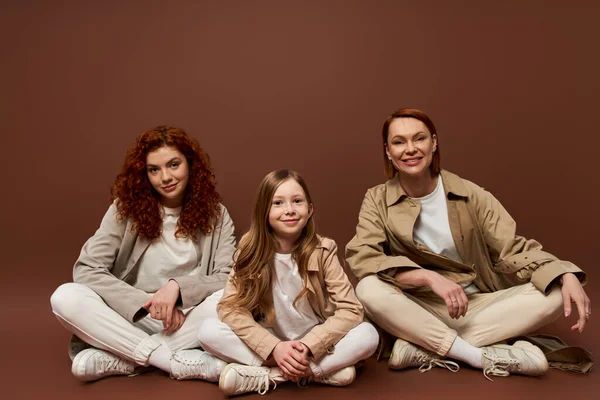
{"x":514,"y":254}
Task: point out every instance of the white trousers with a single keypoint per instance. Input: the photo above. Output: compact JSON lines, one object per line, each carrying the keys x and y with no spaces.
{"x":358,"y":344}
{"x":83,"y":313}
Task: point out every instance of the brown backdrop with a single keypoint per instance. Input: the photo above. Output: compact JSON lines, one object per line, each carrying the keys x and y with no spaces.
{"x":270,"y":84}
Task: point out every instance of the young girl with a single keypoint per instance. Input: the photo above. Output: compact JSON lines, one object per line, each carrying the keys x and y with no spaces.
{"x":154,"y":269}
{"x":289,"y":311}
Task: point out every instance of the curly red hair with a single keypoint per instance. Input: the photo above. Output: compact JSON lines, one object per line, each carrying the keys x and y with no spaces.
{"x":139,"y":202}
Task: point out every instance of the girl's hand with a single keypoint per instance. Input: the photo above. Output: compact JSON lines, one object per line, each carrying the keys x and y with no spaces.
{"x":572,"y":292}
{"x":161,"y":305}
{"x":292,"y":359}
{"x":307,"y":354}
{"x":452,"y":293}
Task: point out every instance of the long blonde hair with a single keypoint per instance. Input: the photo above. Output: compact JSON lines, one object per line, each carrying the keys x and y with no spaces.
{"x":254,"y":267}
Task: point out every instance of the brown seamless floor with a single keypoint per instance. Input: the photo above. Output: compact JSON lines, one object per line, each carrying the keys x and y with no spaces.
{"x":38,"y":367}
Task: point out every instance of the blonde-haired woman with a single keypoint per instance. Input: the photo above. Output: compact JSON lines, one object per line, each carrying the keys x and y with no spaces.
{"x":289,"y":311}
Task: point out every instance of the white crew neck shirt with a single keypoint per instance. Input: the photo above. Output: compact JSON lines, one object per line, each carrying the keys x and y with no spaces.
{"x":291,"y":323}
{"x":432,"y":228}
{"x":166,"y":257}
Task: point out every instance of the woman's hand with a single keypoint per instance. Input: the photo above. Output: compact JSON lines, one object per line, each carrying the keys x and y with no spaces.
{"x":177,"y":320}
{"x":161,"y":305}
{"x":292,"y":359}
{"x":452,"y":294}
{"x":572,"y":292}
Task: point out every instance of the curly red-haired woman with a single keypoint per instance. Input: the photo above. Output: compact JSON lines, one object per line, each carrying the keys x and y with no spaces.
{"x":154,"y":269}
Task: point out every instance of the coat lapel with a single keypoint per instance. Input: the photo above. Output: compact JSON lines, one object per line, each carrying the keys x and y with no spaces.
{"x":141,"y":244}
{"x":401,"y":220}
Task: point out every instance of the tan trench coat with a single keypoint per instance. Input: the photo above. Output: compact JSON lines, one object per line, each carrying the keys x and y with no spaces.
{"x":493,"y":255}
{"x":330,"y":295}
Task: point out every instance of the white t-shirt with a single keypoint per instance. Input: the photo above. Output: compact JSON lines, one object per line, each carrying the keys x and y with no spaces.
{"x":166,"y":257}
{"x":291,"y":323}
{"x":432,"y":229}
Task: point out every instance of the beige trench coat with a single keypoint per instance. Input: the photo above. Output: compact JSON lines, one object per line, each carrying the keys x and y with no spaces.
{"x":330,"y":295}
{"x":494,"y":256}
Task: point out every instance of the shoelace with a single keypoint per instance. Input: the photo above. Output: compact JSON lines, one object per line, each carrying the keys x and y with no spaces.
{"x":436,"y":362}
{"x":190,"y":368}
{"x":113,"y":364}
{"x":255,"y":381}
{"x":427,"y":362}
{"x":499,"y":366}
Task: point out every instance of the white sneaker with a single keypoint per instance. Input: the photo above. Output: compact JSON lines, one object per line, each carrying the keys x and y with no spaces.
{"x":196,"y":364}
{"x":92,"y":364}
{"x":405,"y":355}
{"x":341,"y":377}
{"x":239,"y":379}
{"x":520,"y":358}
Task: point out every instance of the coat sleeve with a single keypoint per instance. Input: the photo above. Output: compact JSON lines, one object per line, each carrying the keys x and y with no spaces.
{"x":514,"y":254}
{"x":368,"y":251}
{"x":94,"y":265}
{"x":348,"y":310}
{"x":242,"y":323}
{"x":194,"y":289}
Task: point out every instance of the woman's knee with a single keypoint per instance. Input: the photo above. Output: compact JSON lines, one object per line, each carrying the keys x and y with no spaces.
{"x":554,"y":303}
{"x":368,"y":293}
{"x":379,"y":298}
{"x":65,"y":300}
{"x":548,"y":306}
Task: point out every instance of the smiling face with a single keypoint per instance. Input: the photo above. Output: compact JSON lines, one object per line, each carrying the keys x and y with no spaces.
{"x":289,"y":213}
{"x":410,"y":147}
{"x":168,"y":173}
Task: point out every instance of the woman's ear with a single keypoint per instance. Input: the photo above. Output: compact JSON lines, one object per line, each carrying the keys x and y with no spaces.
{"x":310,"y":210}
{"x":434,"y":139}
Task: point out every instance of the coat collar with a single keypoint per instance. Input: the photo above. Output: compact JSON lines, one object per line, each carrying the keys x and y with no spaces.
{"x":452,"y":184}
{"x":313,"y":263}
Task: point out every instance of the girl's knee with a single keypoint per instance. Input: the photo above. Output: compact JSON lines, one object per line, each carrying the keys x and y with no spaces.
{"x":369,"y":338}
{"x":209,"y":332}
